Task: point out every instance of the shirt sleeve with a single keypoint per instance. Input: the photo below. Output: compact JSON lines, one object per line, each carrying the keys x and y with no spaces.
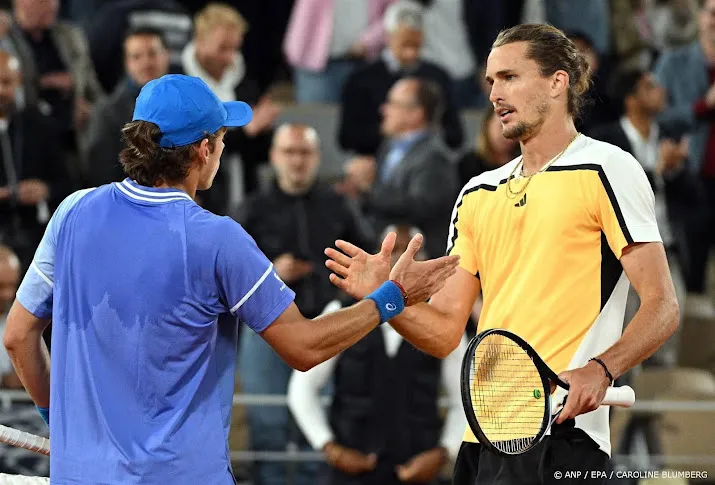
{"x":455,"y":422}
{"x":461,"y":232}
{"x":305,"y":406}
{"x":35,"y":291}
{"x":304,"y":396}
{"x":248,"y":284}
{"x":626,"y":204}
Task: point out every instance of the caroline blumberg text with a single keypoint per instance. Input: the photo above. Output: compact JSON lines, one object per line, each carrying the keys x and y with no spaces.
{"x":632,"y":474}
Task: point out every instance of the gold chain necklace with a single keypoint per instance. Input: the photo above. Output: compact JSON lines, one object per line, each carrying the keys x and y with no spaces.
{"x":510,"y":193}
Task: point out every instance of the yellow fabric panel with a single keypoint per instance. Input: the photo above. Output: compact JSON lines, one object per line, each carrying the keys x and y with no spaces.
{"x":462,"y":242}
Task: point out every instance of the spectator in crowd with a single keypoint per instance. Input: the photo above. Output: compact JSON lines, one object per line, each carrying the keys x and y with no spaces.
{"x":145,"y":58}
{"x":688,"y":75}
{"x":491,"y":149}
{"x":327,"y":39}
{"x":57,"y":72}
{"x":292,"y":223}
{"x":366,"y":89}
{"x":33,"y":174}
{"x":384,"y":425}
{"x":214,"y":55}
{"x":9,"y":281}
{"x":447,"y":45}
{"x":412,"y":180}
{"x":662,"y":155}
{"x":109,"y":25}
{"x":599,"y":109}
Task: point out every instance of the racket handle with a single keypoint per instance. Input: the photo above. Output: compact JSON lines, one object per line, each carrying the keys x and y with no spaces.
{"x":621,"y":396}
{"x":21,"y":439}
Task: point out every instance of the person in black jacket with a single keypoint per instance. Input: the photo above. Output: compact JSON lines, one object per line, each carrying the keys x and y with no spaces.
{"x":34,"y":177}
{"x":366,"y":89}
{"x":384,"y":426}
{"x":146,"y":57}
{"x":412,"y":179}
{"x":292,"y":222}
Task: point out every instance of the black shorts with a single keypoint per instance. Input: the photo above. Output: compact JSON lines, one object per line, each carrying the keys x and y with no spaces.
{"x":568,"y":456}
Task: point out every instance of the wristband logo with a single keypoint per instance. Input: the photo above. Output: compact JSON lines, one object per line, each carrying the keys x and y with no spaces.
{"x":391,"y":307}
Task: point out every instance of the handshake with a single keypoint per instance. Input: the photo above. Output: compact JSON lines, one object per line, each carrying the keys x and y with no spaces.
{"x":361,"y":275}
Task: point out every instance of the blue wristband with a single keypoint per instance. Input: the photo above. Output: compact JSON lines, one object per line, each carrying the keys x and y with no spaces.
{"x":45,"y":413}
{"x":389,"y":300}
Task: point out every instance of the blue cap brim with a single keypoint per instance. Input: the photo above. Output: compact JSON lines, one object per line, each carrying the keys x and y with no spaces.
{"x":239,"y":113}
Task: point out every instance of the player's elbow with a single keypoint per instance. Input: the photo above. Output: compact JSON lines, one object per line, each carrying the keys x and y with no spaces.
{"x":671,"y":311}
{"x":448,"y":346}
{"x":10,"y":341}
{"x":442,"y":346}
{"x":16,"y":333}
{"x":305,"y":364}
{"x":301,"y":360}
{"x":665,"y":309}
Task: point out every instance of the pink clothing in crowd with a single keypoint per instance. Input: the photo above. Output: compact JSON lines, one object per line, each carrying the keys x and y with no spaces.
{"x":307,"y":40}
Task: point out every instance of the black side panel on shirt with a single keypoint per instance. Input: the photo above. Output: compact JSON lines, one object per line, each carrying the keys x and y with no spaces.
{"x":611,"y":270}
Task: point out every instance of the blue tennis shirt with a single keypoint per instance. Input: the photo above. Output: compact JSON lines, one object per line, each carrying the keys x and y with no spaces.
{"x":134,"y":279}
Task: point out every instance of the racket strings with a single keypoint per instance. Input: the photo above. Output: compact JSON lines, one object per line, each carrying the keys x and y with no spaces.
{"x":507,"y":394}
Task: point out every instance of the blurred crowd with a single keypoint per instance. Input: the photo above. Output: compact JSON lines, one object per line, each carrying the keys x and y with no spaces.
{"x":403,"y":74}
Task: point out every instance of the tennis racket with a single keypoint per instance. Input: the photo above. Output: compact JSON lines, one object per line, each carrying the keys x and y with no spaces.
{"x":22,"y":439}
{"x":506,"y":392}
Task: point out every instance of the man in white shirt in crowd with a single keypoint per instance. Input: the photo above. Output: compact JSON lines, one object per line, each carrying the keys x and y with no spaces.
{"x":214,"y":55}
{"x":383,"y":426}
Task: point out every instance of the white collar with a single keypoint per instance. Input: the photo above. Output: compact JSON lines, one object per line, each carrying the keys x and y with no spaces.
{"x":225,"y":87}
{"x":632,"y":132}
{"x":154,"y":195}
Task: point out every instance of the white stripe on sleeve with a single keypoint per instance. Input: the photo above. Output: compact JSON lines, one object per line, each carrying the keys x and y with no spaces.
{"x":42,"y":275}
{"x":252,"y":290}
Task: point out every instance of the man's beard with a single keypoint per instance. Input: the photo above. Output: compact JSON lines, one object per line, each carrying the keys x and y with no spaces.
{"x":522,"y":130}
{"x":516,"y":132}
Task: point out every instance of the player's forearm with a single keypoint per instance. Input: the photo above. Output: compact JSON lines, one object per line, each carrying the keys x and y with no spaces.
{"x":29,"y":356}
{"x":328,"y":335}
{"x":428,"y":329}
{"x":650,"y":328}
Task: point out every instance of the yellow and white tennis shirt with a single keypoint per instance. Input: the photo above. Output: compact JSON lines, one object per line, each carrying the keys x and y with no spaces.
{"x":548,"y":259}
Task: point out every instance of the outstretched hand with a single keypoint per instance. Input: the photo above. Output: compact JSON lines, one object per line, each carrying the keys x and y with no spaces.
{"x":355,"y":271}
{"x":422,"y":279}
{"x":358,"y":273}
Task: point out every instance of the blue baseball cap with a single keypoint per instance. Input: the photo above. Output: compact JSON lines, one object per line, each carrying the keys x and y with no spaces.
{"x":186,"y":110}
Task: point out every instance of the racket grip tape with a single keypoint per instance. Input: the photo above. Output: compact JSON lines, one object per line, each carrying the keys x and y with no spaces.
{"x":22,"y":439}
{"x":621,"y":396}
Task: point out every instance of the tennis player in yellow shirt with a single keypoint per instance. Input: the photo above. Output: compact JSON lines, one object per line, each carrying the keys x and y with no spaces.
{"x":552,"y":239}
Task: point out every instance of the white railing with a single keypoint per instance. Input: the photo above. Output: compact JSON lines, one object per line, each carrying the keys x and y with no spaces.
{"x":8,"y":397}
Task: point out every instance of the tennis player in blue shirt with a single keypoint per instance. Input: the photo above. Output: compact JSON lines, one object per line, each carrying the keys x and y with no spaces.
{"x":134,"y":276}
